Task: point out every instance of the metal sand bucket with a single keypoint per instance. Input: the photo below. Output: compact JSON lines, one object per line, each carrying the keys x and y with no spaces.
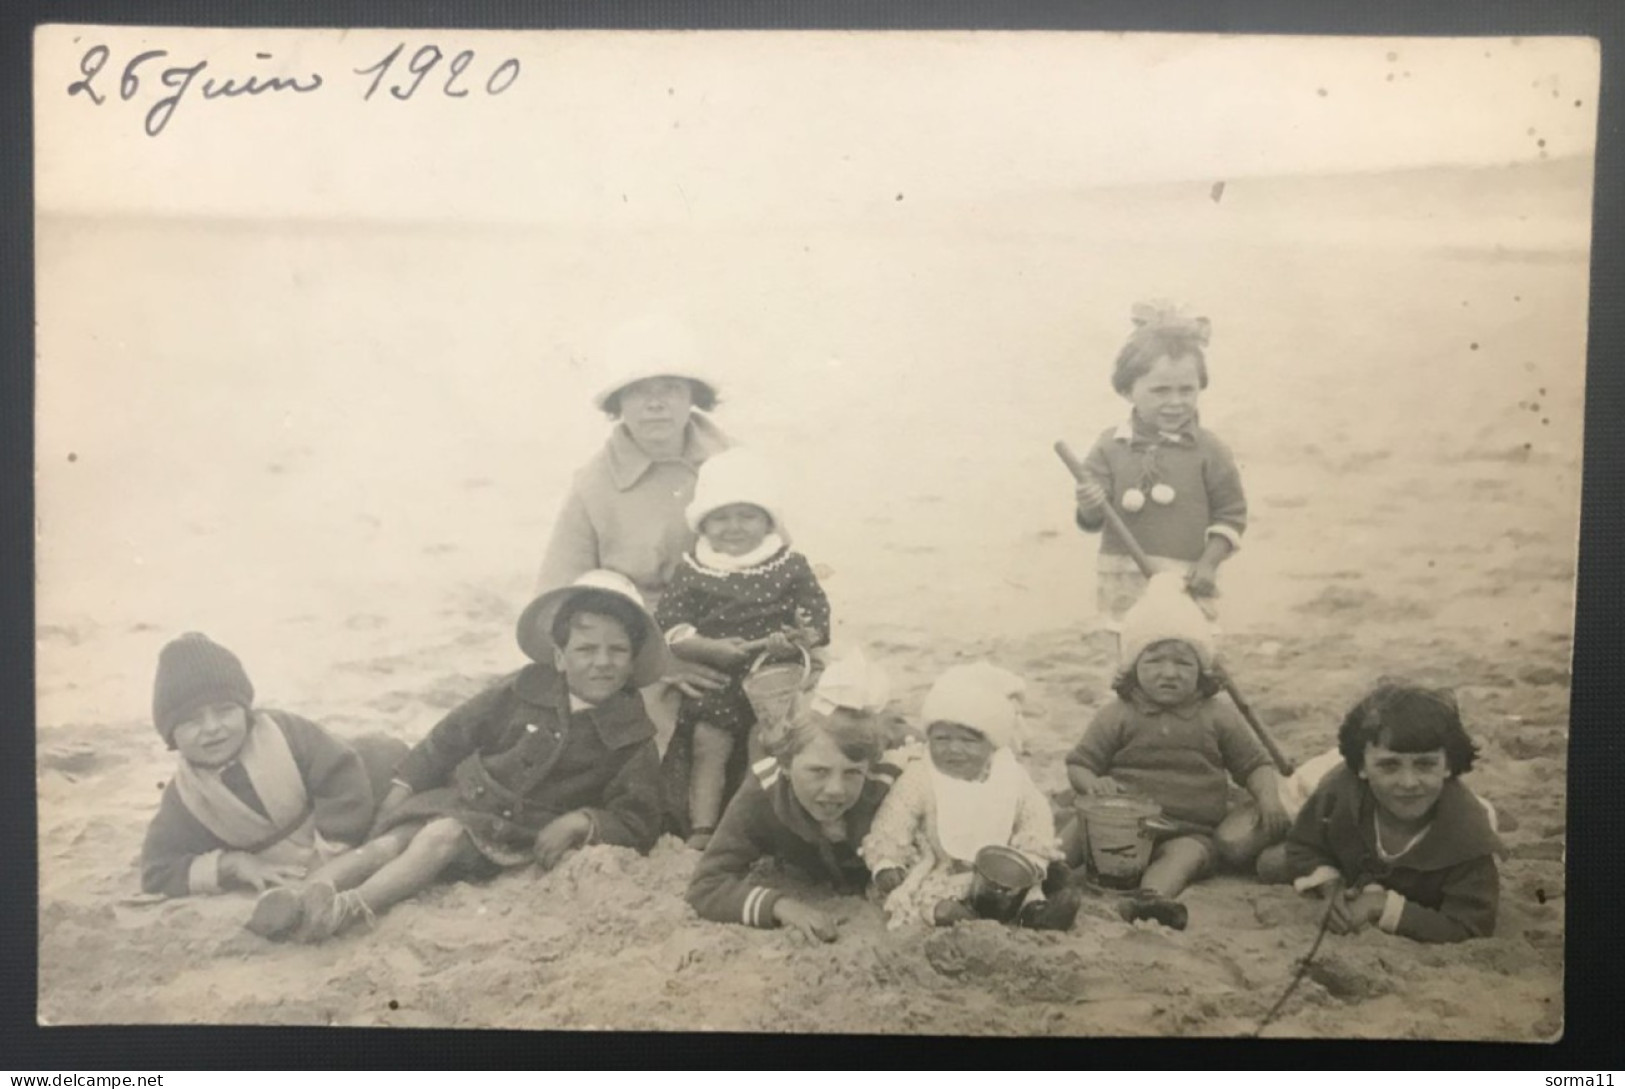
{"x":999,"y":882}
{"x":1121,"y":830}
{"x":771,"y":689}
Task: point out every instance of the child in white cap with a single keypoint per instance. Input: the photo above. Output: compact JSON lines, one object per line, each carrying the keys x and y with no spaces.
{"x":1167,"y":738}
{"x":741,"y":592}
{"x":969,"y":794}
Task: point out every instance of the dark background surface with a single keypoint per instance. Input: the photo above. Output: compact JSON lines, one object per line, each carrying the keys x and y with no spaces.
{"x":1594,"y":991}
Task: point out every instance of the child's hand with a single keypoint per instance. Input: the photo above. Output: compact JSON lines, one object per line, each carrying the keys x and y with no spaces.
{"x":781,"y":644}
{"x":887,"y":880}
{"x":695,"y":679}
{"x":1355,"y":909}
{"x":1090,"y":495}
{"x":560,"y":837}
{"x":1203,"y":581}
{"x":1103,"y":786}
{"x":1273,"y":819}
{"x":807,"y":921}
{"x":243,"y":868}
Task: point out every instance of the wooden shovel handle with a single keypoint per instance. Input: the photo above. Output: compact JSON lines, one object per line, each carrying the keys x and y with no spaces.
{"x":1113,"y":519}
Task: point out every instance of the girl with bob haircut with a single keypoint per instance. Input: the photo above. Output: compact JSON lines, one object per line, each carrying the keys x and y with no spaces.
{"x":1394,"y":836}
{"x":808,"y":804}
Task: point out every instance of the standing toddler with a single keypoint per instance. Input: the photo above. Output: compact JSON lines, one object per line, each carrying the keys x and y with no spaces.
{"x":1175,"y":483}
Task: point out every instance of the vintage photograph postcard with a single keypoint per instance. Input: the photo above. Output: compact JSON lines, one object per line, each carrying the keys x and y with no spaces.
{"x":967,"y":533}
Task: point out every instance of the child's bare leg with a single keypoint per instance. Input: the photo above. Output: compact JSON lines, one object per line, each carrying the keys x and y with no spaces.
{"x":351,"y":868}
{"x":712,"y":747}
{"x":415,"y":868}
{"x":279,"y":911}
{"x":1240,"y":837}
{"x":1175,"y":864}
{"x":1074,"y":844}
{"x":324,"y":912}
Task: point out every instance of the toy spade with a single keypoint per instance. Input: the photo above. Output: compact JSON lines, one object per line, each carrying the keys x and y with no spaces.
{"x":1143,"y":562}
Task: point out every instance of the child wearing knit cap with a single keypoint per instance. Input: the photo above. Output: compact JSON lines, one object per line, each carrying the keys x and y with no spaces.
{"x":1175,"y":483}
{"x":968,"y":794}
{"x":739,"y":593}
{"x":259,"y":797}
{"x":1167,"y":738}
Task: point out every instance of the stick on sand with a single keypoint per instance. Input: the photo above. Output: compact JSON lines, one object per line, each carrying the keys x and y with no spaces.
{"x":1143,"y":561}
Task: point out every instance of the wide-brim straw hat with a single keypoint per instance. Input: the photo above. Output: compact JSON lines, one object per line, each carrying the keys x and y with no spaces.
{"x":655,"y":345}
{"x":652,"y":660}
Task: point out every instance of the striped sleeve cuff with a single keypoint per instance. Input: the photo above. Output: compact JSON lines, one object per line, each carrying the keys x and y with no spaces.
{"x":203,"y":876}
{"x":1315,"y":878}
{"x":758,"y":909}
{"x":1391,"y":911}
{"x":1229,"y":533}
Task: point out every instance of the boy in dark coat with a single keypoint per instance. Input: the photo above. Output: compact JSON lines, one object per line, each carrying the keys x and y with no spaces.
{"x":259,"y":796}
{"x":557,"y":756}
{"x":1397,"y":838}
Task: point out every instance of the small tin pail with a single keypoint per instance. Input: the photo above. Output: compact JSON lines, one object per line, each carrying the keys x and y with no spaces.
{"x":1000,"y":881}
{"x":1121,"y":830}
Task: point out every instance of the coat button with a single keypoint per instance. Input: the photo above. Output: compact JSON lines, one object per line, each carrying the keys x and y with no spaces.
{"x":479,"y":790}
{"x":508,"y":813}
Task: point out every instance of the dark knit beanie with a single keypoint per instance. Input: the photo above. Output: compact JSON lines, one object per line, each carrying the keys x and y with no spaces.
{"x":194,"y":672}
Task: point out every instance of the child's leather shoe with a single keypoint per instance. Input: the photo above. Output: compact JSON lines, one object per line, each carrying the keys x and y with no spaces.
{"x":277,"y":913}
{"x":327,"y":911}
{"x":1056,"y":913}
{"x":1146,"y":904}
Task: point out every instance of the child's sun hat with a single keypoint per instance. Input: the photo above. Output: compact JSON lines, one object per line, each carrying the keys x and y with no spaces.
{"x":652,"y":660}
{"x":978,"y":695}
{"x":1167,"y":611}
{"x":735,"y":476}
{"x":193,"y":672}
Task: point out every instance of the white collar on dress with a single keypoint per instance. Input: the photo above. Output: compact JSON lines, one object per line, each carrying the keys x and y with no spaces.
{"x":719,"y":561}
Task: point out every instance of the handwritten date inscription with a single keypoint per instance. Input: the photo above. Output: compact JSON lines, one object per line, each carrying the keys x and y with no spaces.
{"x":398,"y":73}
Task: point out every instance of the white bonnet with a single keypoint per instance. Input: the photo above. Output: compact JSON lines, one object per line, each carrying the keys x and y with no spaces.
{"x":1167,"y":611}
{"x":853,"y":682}
{"x":979,"y":695}
{"x":736,"y":475}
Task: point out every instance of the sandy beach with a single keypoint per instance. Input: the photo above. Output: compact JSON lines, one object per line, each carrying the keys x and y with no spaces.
{"x":337,"y":448}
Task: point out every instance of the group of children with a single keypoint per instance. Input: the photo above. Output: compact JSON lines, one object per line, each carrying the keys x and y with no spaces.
{"x":562,"y":754}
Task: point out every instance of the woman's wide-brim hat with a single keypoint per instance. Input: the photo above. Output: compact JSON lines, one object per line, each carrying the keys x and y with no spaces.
{"x":655,"y":345}
{"x":652,"y":660}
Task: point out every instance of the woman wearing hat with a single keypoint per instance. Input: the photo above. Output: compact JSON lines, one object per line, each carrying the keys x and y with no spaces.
{"x":554,"y":757}
{"x":626,"y":507}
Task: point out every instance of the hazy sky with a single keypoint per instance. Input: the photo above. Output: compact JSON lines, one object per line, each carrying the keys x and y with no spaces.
{"x":605,"y":128}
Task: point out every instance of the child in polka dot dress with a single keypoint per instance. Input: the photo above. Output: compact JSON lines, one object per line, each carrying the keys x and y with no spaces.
{"x":739,"y":593}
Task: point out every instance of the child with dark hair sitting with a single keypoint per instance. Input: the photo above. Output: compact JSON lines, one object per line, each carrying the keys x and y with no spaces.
{"x":259,"y":797}
{"x":552,"y":758}
{"x":1394,"y":836}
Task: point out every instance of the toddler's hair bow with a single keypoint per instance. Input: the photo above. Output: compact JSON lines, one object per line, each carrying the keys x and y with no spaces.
{"x":1166,"y":314}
